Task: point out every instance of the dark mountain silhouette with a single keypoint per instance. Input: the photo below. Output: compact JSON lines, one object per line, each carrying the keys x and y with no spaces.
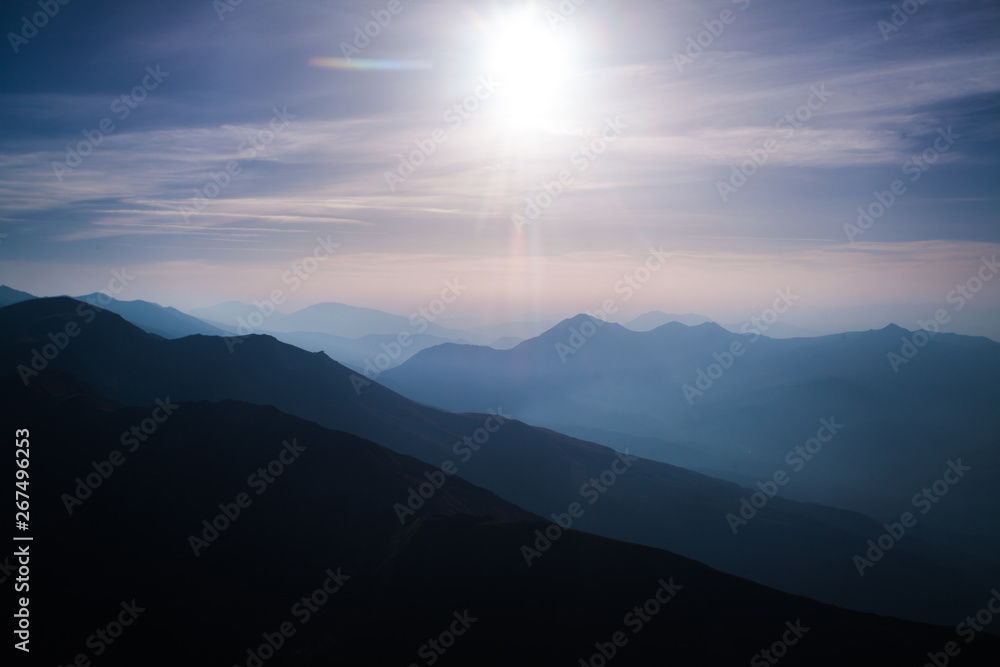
{"x":799,"y":548}
{"x":372,"y":354}
{"x":652,"y":392}
{"x":326,"y":519}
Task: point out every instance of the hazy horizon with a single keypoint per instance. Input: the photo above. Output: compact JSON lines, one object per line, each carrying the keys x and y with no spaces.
{"x":535,"y":154}
{"x":796,"y":321}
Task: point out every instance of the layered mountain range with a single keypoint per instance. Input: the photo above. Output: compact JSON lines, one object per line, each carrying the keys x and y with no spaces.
{"x":436,"y":518}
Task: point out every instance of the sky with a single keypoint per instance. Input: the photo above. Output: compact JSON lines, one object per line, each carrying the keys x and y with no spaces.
{"x":551,"y":157}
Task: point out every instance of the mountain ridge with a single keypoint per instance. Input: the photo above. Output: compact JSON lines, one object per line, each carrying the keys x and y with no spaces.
{"x":539,"y":470}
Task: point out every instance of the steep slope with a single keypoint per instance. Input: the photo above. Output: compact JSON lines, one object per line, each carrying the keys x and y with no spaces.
{"x":369,"y":354}
{"x":679,"y":394}
{"x":10,"y":296}
{"x":314,"y":499}
{"x":153,"y":318}
{"x":315,"y":568}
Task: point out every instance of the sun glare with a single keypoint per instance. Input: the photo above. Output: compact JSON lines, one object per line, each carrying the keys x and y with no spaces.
{"x":532,"y":62}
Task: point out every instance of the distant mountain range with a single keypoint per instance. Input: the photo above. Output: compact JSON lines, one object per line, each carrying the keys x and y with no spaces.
{"x":334,"y":319}
{"x":153,"y":318}
{"x":655,"y":319}
{"x":376,"y":341}
{"x":679,"y":394}
{"x":362,"y":339}
{"x":150,"y":317}
{"x":651,"y":320}
{"x":799,"y":548}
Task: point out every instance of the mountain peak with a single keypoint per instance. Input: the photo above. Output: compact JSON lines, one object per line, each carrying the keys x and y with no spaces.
{"x":9,"y":296}
{"x":710,"y":327}
{"x":657,"y":318}
{"x":580,"y":318}
{"x":583,"y":320}
{"x":675,"y":328}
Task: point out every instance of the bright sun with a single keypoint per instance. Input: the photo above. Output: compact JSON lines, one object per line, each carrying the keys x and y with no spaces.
{"x":532,"y":62}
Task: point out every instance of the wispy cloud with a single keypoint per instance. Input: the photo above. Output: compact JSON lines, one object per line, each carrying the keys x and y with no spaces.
{"x":325,"y":172}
